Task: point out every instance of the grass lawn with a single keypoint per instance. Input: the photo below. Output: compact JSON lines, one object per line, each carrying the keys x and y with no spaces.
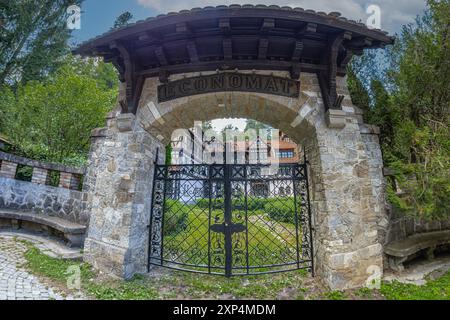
{"x":269,"y":242}
{"x":179,"y":285}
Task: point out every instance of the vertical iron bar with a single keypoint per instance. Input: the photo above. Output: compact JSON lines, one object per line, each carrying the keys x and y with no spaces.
{"x":294,"y":187}
{"x":311,"y":240}
{"x":150,"y":226}
{"x":166,"y":179}
{"x":209,"y":216}
{"x":247,"y":259}
{"x":228,"y":221}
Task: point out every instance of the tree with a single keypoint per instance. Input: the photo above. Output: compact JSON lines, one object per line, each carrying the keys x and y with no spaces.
{"x":384,"y":114}
{"x":34,"y":38}
{"x":207,"y":125}
{"x":253,"y":124}
{"x":420,"y":150}
{"x":410,"y":102}
{"x":51,"y":120}
{"x":123,"y":20}
{"x":169,"y":150}
{"x":359,"y":94}
{"x":229,"y":127}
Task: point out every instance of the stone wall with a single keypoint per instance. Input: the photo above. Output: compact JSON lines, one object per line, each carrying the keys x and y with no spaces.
{"x":64,"y":201}
{"x":42,"y":199}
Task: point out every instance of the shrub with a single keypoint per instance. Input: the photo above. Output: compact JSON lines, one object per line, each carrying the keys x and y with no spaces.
{"x":175,"y":217}
{"x":281,"y":209}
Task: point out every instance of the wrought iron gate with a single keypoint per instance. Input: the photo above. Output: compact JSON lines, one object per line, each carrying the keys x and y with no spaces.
{"x":231,"y":219}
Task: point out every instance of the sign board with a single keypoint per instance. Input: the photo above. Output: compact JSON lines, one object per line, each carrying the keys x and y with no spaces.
{"x":223,"y":82}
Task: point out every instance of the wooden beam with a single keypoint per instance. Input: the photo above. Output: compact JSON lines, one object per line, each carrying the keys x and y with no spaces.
{"x":143,"y":37}
{"x":334,"y":46}
{"x":296,"y":70}
{"x":182,"y":27}
{"x":146,"y":37}
{"x":224,"y":25}
{"x":347,"y":57}
{"x":192,"y":51}
{"x":268,"y":25}
{"x":361,"y":42}
{"x":239,"y":64}
{"x":309,"y":28}
{"x":227,"y":49}
{"x":347,"y":35}
{"x":128,"y":75}
{"x":137,"y":91}
{"x":298,"y":50}
{"x":161,"y":56}
{"x":327,"y":80}
{"x":163,"y":75}
{"x":263,"y":48}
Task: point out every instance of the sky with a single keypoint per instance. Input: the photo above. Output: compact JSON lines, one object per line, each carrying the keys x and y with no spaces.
{"x":98,"y":16}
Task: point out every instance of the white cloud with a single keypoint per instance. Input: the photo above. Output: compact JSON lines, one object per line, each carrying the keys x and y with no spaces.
{"x":394,"y":13}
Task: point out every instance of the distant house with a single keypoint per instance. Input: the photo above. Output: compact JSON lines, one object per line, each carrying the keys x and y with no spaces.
{"x":187,"y":186}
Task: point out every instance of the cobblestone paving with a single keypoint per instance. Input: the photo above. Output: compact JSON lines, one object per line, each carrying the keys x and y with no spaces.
{"x":15,"y":282}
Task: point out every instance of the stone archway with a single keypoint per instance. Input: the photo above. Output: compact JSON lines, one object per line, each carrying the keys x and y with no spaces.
{"x":308,"y":48}
{"x":344,"y":177}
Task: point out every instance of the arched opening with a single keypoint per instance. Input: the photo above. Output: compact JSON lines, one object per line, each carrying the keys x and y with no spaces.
{"x":223,"y":206}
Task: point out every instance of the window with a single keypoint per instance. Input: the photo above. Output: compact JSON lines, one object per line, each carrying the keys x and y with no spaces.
{"x":283,"y":154}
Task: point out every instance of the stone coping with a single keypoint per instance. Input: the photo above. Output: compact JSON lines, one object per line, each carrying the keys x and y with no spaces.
{"x":38,"y":164}
{"x":417,"y":242}
{"x":53,"y":222}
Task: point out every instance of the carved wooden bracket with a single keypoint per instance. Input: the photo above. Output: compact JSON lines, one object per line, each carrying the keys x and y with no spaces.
{"x":327,"y":79}
{"x":133,"y":83}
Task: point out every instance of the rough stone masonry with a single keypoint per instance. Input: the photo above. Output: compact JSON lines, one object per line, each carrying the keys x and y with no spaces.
{"x":346,"y":175}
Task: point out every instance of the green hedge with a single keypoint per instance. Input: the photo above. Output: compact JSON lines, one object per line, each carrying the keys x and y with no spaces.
{"x":281,"y":209}
{"x":278,"y":209}
{"x":252,"y":203}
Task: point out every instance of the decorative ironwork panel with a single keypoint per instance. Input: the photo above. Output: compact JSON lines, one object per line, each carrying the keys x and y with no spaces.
{"x":231,"y":219}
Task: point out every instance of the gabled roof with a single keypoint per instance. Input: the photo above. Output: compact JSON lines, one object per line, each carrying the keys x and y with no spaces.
{"x":332,"y":19}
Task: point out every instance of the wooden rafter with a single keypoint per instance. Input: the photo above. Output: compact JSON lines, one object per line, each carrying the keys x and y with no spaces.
{"x":227,"y":49}
{"x":286,"y":40}
{"x":133,"y":83}
{"x":327,"y":79}
{"x":192,"y":51}
{"x":263,"y":48}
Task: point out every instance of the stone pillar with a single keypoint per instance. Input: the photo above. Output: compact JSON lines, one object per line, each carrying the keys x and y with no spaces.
{"x":8,"y":169}
{"x":39,"y":176}
{"x":118,"y":185}
{"x":347,"y":249}
{"x":370,"y":135}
